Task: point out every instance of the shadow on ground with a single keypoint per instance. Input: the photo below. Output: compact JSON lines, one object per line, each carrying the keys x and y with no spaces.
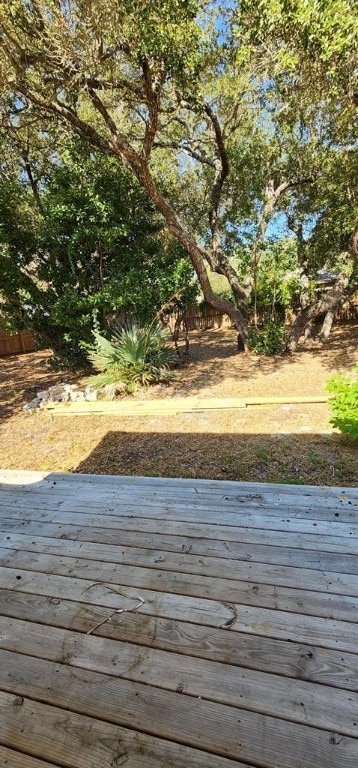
{"x":280,"y":458}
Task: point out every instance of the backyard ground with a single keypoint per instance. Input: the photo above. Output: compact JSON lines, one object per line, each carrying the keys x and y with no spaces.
{"x":285,"y":443}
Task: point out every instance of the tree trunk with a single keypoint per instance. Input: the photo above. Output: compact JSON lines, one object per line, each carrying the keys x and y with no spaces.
{"x":309,"y":331}
{"x":329,"y":303}
{"x":327,"y":325}
{"x":298,"y":328}
{"x":331,"y":313}
{"x":197,"y":254}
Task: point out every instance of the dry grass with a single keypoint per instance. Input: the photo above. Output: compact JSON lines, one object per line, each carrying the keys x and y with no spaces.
{"x":277,"y":444}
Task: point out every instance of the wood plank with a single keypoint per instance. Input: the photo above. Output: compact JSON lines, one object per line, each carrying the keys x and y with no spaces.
{"x":290,"y":659}
{"x":174,"y":405}
{"x":197,"y":560}
{"x":282,"y":400}
{"x":295,"y":700}
{"x":78,"y":741}
{"x":215,"y":529}
{"x":317,"y":508}
{"x":226,"y":499}
{"x":233,"y":571}
{"x":236,"y":733}
{"x":27,"y":480}
{"x":296,"y":600}
{"x":27,"y":477}
{"x":326,"y":633}
{"x":163,"y":407}
{"x":11,"y":759}
{"x":312,"y":578}
{"x":212,"y":541}
{"x":179,"y":511}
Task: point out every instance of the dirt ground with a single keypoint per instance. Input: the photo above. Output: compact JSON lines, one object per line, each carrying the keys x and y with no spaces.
{"x":286,"y":443}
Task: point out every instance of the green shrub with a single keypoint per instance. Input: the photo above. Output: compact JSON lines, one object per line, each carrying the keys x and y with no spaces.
{"x":135,"y":356}
{"x":269,"y":339}
{"x":345,"y":403}
{"x":98,"y":246}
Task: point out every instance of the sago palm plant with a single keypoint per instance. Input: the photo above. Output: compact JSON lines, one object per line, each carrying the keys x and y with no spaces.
{"x":135,"y":356}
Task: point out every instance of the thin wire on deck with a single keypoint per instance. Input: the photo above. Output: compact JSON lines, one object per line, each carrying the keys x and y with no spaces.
{"x":230,"y":622}
{"x":118,"y":610}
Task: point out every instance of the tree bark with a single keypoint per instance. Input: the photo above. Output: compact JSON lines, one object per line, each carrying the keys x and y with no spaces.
{"x":331,"y":313}
{"x":308,"y":314}
{"x":327,"y":324}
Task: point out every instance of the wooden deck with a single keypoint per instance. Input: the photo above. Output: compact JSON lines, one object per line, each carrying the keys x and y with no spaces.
{"x":235,"y":638}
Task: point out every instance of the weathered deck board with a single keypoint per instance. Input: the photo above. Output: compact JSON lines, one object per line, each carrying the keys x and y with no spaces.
{"x":213,"y":541}
{"x":326,"y":633}
{"x":260,"y":553}
{"x":28,"y":480}
{"x":238,"y":733}
{"x":295,"y":700}
{"x":192,"y":507}
{"x":78,"y":741}
{"x":157,"y":566}
{"x":11,"y":759}
{"x":267,"y":524}
{"x":310,"y":602}
{"x":346,"y":507}
{"x":287,"y":658}
{"x":244,"y":652}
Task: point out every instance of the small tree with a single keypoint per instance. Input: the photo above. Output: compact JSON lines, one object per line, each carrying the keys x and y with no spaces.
{"x":91,"y":245}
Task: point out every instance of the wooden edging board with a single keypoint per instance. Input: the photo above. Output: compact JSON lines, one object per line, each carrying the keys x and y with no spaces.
{"x":174,"y":406}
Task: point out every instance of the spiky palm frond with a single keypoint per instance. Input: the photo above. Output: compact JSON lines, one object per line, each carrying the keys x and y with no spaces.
{"x":135,"y":356}
{"x":103,"y":354}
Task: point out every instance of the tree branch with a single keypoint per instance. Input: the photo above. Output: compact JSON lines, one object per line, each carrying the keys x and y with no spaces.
{"x":185,"y":148}
{"x":272,"y":196}
{"x":217,"y":260}
{"x":67,"y":114}
{"x":32,"y":181}
{"x":103,"y":111}
{"x":152,"y":100}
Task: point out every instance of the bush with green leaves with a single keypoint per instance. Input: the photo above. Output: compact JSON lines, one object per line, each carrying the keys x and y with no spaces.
{"x":345,"y":403}
{"x":269,"y":339}
{"x":135,"y":356}
{"x":96,"y":247}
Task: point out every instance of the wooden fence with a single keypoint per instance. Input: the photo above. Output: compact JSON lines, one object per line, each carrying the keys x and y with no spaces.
{"x":15,"y":343}
{"x":200,"y":318}
{"x":204,"y":317}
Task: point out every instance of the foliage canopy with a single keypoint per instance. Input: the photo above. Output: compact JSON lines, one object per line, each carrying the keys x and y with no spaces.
{"x":232,"y":117}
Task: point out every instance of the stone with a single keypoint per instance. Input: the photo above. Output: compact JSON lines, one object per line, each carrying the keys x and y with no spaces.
{"x":33,"y":405}
{"x":111,"y":390}
{"x":75,"y":396}
{"x":56,"y":389}
{"x":91,"y":396}
{"x":42,"y":395}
